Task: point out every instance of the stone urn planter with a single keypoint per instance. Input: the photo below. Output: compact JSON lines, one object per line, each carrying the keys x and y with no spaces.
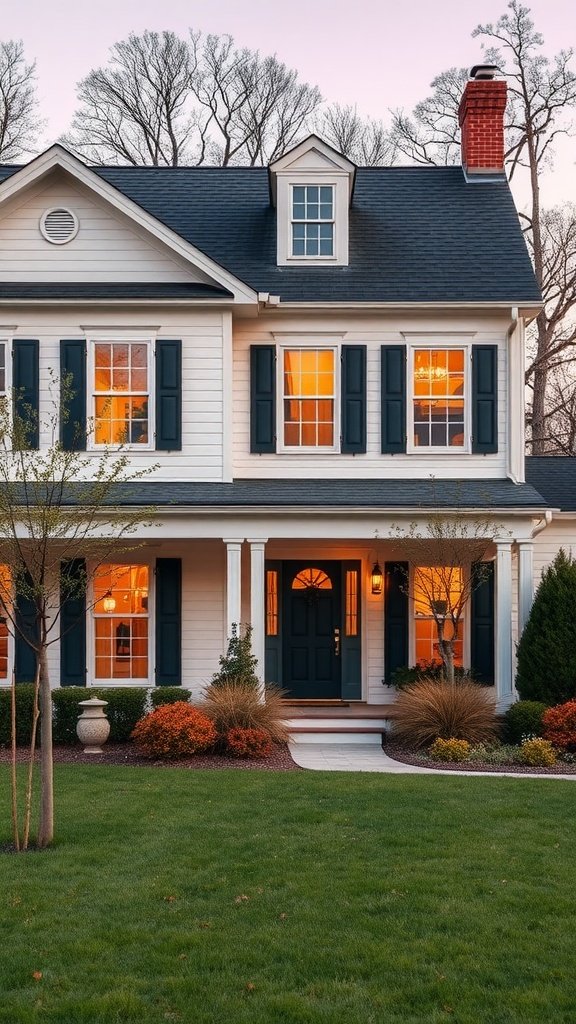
{"x":93,"y":728}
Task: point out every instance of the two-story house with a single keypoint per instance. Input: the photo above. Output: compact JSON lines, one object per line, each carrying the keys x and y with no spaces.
{"x":310,"y":355}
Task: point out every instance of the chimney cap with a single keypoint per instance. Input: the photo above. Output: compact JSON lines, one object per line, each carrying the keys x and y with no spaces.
{"x":484,"y":72}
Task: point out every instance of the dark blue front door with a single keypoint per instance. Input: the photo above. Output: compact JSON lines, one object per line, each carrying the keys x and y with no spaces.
{"x":311,"y":632}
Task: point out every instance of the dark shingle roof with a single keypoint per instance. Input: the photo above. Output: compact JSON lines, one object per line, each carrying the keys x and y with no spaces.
{"x":417,"y":234}
{"x":293,"y":494}
{"x":555,"y":478}
{"x":110,"y":290}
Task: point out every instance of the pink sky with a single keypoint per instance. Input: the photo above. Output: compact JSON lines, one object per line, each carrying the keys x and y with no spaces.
{"x":375,"y":53}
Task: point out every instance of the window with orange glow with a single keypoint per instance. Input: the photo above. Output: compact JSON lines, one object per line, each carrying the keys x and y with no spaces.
{"x":121,"y":393}
{"x":312,"y":577}
{"x":308,"y":377}
{"x":271,"y":602}
{"x":351,"y":619}
{"x":121,"y":622}
{"x":5,"y":602}
{"x":444,"y":586}
{"x":2,"y":368}
{"x":438,"y":398}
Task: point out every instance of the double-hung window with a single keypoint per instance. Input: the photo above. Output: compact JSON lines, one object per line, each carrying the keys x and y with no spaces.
{"x":121,"y":393}
{"x":121,"y":623}
{"x":312,"y":221}
{"x":439,"y":398}
{"x":308,"y":398}
{"x":438,"y":587}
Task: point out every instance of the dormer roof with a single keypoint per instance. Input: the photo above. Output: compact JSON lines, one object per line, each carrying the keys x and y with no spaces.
{"x":309,"y":157}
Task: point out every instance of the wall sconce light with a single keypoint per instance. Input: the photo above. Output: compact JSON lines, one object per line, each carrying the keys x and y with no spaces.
{"x":109,"y":603}
{"x":377,"y":578}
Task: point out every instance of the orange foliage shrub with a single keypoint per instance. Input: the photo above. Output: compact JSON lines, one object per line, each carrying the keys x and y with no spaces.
{"x":248,"y":742}
{"x":174,"y":730}
{"x":560,"y":725}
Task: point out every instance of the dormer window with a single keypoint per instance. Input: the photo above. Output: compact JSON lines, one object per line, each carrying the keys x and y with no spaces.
{"x":311,"y":187}
{"x":312,"y":220}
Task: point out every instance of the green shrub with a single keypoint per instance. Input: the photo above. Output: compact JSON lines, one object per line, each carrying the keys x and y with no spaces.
{"x":66,"y":711}
{"x":430,"y":708}
{"x":126,"y":706}
{"x":494,"y":753}
{"x":24,"y":702}
{"x":404,"y":677}
{"x":449,"y":750}
{"x":168,"y":695}
{"x":523,"y":719}
{"x":547,"y":648}
{"x":238,"y":665}
{"x":538,"y":753}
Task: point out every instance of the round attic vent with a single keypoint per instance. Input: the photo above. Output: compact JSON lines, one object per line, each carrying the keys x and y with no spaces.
{"x":59,"y":225}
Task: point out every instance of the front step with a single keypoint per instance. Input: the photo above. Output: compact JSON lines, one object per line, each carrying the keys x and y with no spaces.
{"x":304,"y":729}
{"x":351,"y":737}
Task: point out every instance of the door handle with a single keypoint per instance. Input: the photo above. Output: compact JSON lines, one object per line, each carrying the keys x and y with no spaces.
{"x":337,"y":642}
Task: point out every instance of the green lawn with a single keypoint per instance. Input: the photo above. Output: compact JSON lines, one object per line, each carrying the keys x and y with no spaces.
{"x":262,"y":898}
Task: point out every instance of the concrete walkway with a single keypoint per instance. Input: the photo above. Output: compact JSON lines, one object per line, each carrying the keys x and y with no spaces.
{"x":369,"y":757}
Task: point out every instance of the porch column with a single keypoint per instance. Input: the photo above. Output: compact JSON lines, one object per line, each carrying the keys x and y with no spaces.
{"x":233,"y":582}
{"x":504,"y":680}
{"x":525,"y":582}
{"x":257,"y":602}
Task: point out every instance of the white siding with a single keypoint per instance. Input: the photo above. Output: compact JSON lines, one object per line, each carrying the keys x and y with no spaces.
{"x":108,"y":246}
{"x":560,"y":534}
{"x":202,"y":337}
{"x":374,"y":332}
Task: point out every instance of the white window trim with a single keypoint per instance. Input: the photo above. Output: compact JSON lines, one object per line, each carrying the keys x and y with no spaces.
{"x":114,"y":684}
{"x":333,"y":221}
{"x":314,"y":343}
{"x":432,"y":345}
{"x":465,"y":622}
{"x":7,"y":342}
{"x":121,"y":337}
{"x":340,"y":184}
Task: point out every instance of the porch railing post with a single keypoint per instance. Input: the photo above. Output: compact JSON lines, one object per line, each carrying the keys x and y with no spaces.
{"x":233,"y":582}
{"x":257,"y":602}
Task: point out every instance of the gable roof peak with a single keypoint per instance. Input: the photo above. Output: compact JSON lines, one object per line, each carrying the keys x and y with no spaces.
{"x":311,"y":155}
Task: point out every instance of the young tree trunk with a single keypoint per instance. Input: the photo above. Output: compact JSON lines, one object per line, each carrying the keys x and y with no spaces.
{"x":46,"y":827}
{"x":30,"y":777}
{"x":13,"y":776}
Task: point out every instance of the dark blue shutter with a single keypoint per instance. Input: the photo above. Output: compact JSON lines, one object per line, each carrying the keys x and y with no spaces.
{"x":353,"y":399}
{"x":395,"y":618}
{"x":262,"y":399}
{"x":393,"y":399}
{"x":482,"y":622}
{"x":73,"y":370}
{"x":73,"y":623}
{"x":26,"y":385}
{"x":351,"y":646}
{"x":484,"y":399}
{"x":24,"y":655}
{"x":168,"y":622}
{"x":168,"y":396}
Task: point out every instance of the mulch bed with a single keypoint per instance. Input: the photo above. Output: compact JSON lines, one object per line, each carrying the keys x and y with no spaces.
{"x":406,"y":756}
{"x":127,"y":754}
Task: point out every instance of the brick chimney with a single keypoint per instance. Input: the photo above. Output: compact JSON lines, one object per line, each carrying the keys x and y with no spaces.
{"x":481,"y":117}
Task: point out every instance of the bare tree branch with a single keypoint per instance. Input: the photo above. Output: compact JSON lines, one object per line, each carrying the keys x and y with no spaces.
{"x":367,"y":143}
{"x":19,"y":121}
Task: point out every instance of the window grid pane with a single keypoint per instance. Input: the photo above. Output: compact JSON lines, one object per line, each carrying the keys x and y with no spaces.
{"x":271,"y":602}
{"x":433,"y":583}
{"x":351,"y":624}
{"x":308,"y":397}
{"x":438,"y":404}
{"x":312,"y":220}
{"x":121,"y":622}
{"x":121,"y":393}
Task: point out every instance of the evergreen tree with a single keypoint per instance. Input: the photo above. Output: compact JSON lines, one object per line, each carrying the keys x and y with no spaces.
{"x":547,"y":648}
{"x":238,"y":665}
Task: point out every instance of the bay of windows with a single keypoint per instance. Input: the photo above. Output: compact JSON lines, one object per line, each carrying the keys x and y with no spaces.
{"x":438,"y":400}
{"x":121,"y":393}
{"x":309,"y":395}
{"x":313,"y":220}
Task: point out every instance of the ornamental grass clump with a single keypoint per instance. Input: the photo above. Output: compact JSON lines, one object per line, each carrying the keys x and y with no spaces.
{"x":238,"y":705}
{"x":173,"y":731}
{"x":431,"y":709}
{"x":450,"y":750}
